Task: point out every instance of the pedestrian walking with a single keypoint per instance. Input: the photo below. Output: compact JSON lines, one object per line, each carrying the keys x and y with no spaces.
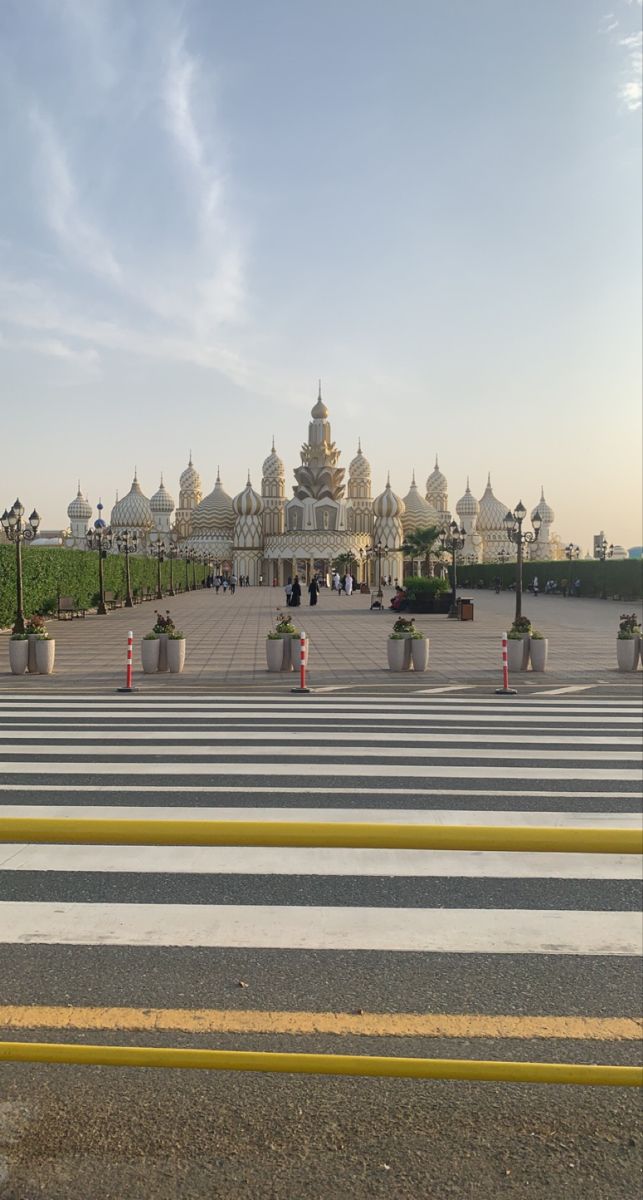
{"x":288,"y":591}
{"x":233,"y":584}
{"x":348,"y":583}
{"x":295,"y":598}
{"x":337,"y":583}
{"x":261,"y":581}
{"x":535,"y":585}
{"x":313,"y":591}
{"x":225,"y":585}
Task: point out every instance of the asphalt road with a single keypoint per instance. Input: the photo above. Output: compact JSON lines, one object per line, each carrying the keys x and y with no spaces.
{"x":96,"y":1132}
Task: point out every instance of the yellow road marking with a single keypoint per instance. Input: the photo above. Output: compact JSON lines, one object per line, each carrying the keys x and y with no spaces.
{"x":212,"y":1020}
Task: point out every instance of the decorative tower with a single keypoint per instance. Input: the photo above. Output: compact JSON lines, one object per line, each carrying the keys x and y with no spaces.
{"x":248,"y":533}
{"x":436,"y":494}
{"x":491,"y":525}
{"x":468,"y":509}
{"x":162,"y":506}
{"x":545,"y":547}
{"x":79,"y":512}
{"x":388,"y":509}
{"x":319,"y":477}
{"x":273,"y":493}
{"x":360,"y":499}
{"x":190,"y":495}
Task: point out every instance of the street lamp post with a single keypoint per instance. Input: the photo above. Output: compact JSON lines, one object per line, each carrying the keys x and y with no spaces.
{"x":127,"y":543}
{"x":193,"y":558}
{"x":100,"y":538}
{"x":452,"y":540}
{"x":172,"y":553}
{"x":571,"y":554}
{"x":158,"y":551}
{"x":377,"y":551}
{"x":19,"y":531}
{"x":513,"y":525}
{"x":186,"y":559}
{"x":603,"y":552}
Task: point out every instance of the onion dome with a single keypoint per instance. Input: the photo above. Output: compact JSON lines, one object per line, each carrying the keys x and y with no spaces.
{"x":79,"y":509}
{"x":190,"y":481}
{"x":418,"y":513}
{"x":133,"y":511}
{"x":248,"y":503}
{"x":492,"y":511}
{"x":388,"y":504}
{"x":467,"y":505}
{"x":436,"y":484}
{"x":161,"y":501}
{"x":319,"y":410}
{"x":543,"y":510}
{"x":99,"y":522}
{"x":273,"y":469}
{"x":214,"y":512}
{"x":359,"y":470}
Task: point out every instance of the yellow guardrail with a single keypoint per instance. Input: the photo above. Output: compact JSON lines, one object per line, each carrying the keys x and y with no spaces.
{"x":323,"y":1064}
{"x":344,"y":834}
{"x":321,"y":834}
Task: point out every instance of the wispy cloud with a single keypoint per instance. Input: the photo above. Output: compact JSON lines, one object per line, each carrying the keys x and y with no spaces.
{"x":631,"y":90}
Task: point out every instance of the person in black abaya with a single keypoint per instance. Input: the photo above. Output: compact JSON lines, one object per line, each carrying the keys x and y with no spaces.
{"x":295,"y":597}
{"x":313,"y":591}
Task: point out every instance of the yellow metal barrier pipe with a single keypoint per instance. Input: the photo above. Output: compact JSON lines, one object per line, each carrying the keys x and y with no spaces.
{"x":373,"y":836}
{"x":322,"y":1064}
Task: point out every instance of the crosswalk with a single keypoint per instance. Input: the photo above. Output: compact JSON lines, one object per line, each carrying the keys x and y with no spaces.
{"x":434,"y":758}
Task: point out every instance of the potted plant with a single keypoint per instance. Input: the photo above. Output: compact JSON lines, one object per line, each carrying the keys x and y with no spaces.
{"x":518,"y":644}
{"x":34,"y":627}
{"x":45,"y":653}
{"x":628,"y":642}
{"x":175,"y":651}
{"x":150,"y":653}
{"x":398,"y":646}
{"x":288,"y":633}
{"x":274,"y":651}
{"x":18,"y":653}
{"x":538,"y":648}
{"x":419,"y":650}
{"x":163,"y":627}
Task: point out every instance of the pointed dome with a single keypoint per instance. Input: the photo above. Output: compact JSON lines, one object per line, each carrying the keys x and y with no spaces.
{"x":492,"y":511}
{"x":79,"y":509}
{"x":319,"y":410}
{"x":436,"y":483}
{"x":161,"y":501}
{"x":418,"y":513}
{"x":544,"y":511}
{"x":388,"y":504}
{"x":467,"y":505}
{"x":133,"y":511}
{"x":273,"y":469}
{"x":248,"y":503}
{"x":190,"y":481}
{"x":359,"y":470}
{"x":215,"y":512}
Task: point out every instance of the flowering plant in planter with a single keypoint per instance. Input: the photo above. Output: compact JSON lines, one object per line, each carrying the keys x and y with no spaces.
{"x":36,"y":625}
{"x":151,"y":637}
{"x":164,"y":624}
{"x":521,"y":628}
{"x":628,"y":627}
{"x":176,"y":635}
{"x":19,"y":637}
{"x":404,"y":626}
{"x":283,"y":627}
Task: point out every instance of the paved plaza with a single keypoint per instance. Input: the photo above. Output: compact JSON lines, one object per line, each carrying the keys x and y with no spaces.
{"x":226,"y":643}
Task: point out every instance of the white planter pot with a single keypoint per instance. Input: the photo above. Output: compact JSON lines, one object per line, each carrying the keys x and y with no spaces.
{"x":538,"y":649}
{"x":274,"y":653}
{"x":45,"y":655}
{"x":288,"y":642}
{"x":175,"y":655}
{"x":420,"y":653}
{"x":150,"y":655}
{"x":627,"y":653}
{"x":399,"y":653}
{"x":163,"y":663}
{"x":31,"y":660}
{"x":18,"y":656}
{"x":518,"y":653}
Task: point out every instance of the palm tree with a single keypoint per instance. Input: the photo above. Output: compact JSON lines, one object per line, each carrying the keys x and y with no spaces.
{"x":344,"y":562}
{"x":421,"y":545}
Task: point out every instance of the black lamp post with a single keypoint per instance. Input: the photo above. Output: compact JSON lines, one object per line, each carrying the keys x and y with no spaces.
{"x":603,"y":552}
{"x":127,"y":543}
{"x":571,"y":554}
{"x":193,"y":558}
{"x":19,"y":531}
{"x":172,"y":554}
{"x":100,"y":538}
{"x":186,"y":559}
{"x":377,"y":551}
{"x":513,"y":525}
{"x":158,"y":552}
{"x":452,"y":540}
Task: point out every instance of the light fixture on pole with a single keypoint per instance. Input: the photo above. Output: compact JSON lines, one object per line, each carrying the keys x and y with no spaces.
{"x":19,"y":531}
{"x":376,"y":551}
{"x":172,"y":554}
{"x":603,"y":552}
{"x":452,"y":540}
{"x":157,"y":550}
{"x":127,"y":543}
{"x":513,"y":526}
{"x":100,"y":539}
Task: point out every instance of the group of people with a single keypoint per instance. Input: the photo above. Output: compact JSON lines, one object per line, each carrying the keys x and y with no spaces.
{"x":293,"y":592}
{"x":343,"y":583}
{"x":227,"y":584}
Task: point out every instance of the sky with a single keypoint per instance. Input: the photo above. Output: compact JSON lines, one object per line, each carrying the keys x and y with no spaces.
{"x":433,"y":207}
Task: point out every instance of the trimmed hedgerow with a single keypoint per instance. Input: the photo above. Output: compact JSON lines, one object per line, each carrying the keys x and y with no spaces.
{"x":621,"y":578}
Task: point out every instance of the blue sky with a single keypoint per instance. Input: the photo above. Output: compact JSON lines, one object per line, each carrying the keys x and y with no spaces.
{"x":434,"y":207}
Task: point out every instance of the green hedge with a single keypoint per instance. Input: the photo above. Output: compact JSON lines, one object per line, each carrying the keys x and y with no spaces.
{"x":423,"y":587}
{"x":621,"y":579}
{"x":48,"y":571}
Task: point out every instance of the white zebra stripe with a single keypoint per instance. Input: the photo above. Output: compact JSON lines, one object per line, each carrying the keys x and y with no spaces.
{"x":358,"y":737}
{"x":321,"y":770}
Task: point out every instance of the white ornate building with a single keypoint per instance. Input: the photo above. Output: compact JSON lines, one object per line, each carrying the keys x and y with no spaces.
{"x":268,"y":536}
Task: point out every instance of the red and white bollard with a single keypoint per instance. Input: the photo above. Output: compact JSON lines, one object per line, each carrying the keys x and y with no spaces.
{"x":505,"y":690}
{"x":303,"y":662}
{"x":130,"y":665}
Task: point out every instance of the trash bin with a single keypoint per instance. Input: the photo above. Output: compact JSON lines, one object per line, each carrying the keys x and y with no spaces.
{"x":465,"y":610}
